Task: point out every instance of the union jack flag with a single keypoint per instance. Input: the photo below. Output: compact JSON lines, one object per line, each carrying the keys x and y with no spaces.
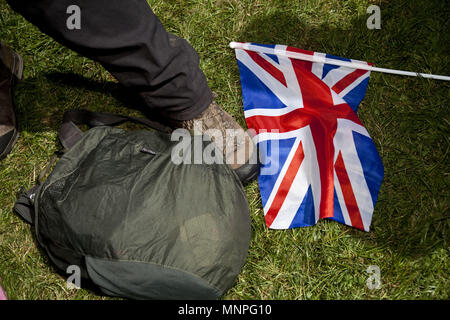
{"x":318,"y":160}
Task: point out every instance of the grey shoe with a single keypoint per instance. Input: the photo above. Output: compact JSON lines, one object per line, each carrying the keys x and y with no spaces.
{"x":11,"y":69}
{"x":240,"y":152}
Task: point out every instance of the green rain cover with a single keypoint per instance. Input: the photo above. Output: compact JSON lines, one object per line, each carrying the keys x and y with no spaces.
{"x":140,"y":226}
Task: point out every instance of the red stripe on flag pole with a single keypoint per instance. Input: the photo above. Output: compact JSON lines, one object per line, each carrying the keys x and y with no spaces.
{"x":347,"y":191}
{"x":347,"y":80}
{"x":285,"y":185}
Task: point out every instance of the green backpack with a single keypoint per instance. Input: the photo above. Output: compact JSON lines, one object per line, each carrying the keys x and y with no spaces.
{"x":136,"y":224}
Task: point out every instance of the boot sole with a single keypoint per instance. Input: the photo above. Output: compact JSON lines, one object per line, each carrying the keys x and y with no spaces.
{"x":10,"y":145}
{"x":249,"y":171}
{"x":251,"y":177}
{"x":17,"y":76}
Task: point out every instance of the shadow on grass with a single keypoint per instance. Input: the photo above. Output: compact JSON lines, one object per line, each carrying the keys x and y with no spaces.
{"x":42,"y":101}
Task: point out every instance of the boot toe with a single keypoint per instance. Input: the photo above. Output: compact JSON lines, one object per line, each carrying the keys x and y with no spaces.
{"x":247,"y":172}
{"x":7,"y":141}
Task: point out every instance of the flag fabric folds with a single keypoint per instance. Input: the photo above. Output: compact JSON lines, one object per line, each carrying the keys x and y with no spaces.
{"x":318,"y":160}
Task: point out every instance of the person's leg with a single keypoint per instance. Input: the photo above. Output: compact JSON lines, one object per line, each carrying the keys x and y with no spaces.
{"x":132,"y":44}
{"x":128,"y":39}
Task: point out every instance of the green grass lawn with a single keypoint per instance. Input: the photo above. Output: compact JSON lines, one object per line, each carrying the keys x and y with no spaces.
{"x":408,"y":119}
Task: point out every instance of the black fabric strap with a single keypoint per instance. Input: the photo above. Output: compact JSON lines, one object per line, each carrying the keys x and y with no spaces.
{"x":24,"y":206}
{"x":69,"y":133}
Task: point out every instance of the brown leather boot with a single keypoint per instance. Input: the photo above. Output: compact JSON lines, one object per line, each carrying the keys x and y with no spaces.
{"x":11,"y":68}
{"x":237,"y":145}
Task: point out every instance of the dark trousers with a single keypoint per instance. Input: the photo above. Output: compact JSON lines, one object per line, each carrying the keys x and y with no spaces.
{"x":128,"y":39}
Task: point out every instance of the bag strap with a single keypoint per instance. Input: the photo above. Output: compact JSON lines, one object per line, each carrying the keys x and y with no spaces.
{"x":69,"y":133}
{"x":24,"y":206}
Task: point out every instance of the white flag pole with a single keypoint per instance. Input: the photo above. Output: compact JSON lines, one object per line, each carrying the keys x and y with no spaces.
{"x":313,"y":58}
